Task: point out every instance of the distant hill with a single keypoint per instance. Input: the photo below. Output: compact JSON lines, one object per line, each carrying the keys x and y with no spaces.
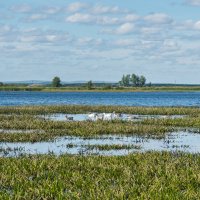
{"x":29,"y":82}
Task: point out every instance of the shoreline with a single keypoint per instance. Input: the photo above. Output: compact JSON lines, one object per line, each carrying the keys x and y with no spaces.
{"x":98,"y":90}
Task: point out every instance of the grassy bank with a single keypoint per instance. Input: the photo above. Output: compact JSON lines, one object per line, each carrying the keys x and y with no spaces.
{"x":103,"y":89}
{"x":139,"y":176}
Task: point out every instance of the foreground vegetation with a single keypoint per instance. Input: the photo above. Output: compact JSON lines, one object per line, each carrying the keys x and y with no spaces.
{"x":140,"y":176}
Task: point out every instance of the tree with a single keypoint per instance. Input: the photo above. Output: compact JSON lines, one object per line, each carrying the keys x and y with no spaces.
{"x":142,"y":81}
{"x":56,"y":82}
{"x":125,"y":80}
{"x":89,"y":85}
{"x":133,"y":80}
{"x":149,"y":84}
{"x":1,"y":83}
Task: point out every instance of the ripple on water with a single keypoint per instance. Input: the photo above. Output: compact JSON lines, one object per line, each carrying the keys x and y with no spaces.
{"x":181,"y":141}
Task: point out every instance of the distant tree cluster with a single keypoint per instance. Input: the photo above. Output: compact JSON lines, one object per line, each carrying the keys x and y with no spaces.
{"x":56,"y":82}
{"x":89,"y":85}
{"x":1,"y":83}
{"x":133,"y":80}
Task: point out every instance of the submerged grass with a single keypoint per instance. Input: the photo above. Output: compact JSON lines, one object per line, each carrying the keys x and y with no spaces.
{"x":108,"y":147}
{"x":84,"y":129}
{"x":140,"y":176}
{"x":27,"y":118}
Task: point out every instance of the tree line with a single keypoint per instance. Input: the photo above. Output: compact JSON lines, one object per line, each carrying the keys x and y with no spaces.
{"x":126,"y":81}
{"x":132,"y":80}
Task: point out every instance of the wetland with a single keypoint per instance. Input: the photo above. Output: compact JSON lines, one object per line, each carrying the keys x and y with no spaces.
{"x":146,"y":153}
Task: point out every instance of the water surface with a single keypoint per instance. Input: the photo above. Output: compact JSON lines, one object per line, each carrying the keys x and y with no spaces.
{"x":101,"y":98}
{"x":176,"y":141}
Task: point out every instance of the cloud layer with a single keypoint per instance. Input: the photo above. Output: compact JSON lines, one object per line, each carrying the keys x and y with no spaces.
{"x":84,"y":34}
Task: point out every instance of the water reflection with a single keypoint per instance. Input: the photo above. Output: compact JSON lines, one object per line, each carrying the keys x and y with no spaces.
{"x":182,"y":141}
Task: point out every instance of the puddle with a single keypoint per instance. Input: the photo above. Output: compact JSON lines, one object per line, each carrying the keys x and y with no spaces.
{"x":62,"y":117}
{"x":181,"y":141}
{"x":126,"y":117}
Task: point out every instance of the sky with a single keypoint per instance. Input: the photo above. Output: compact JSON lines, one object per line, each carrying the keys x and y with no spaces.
{"x":100,"y":40}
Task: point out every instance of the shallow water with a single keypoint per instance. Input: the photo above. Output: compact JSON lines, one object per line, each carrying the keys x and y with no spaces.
{"x":128,"y":117}
{"x":101,"y":98}
{"x":181,"y":141}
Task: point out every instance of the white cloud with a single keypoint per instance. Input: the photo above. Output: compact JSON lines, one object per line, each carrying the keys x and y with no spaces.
{"x":5,"y":28}
{"x":131,"y":18}
{"x":158,"y":18}
{"x":193,"y":2}
{"x":80,"y":18}
{"x":77,"y":6}
{"x":89,"y":18}
{"x":169,"y":44}
{"x":88,"y":41}
{"x":37,"y":16}
{"x":23,"y":8}
{"x":52,"y":10}
{"x":197,"y":25}
{"x":125,"y":28}
{"x":150,"y":30}
{"x":124,"y":42}
{"x":105,"y":9}
{"x":188,"y":25}
{"x":104,"y":20}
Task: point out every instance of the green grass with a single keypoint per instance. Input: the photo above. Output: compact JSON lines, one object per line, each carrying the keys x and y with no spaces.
{"x":81,"y":109}
{"x":139,"y":176}
{"x":82,"y":129}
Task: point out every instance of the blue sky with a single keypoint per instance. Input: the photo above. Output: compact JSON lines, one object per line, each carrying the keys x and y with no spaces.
{"x":100,"y":40}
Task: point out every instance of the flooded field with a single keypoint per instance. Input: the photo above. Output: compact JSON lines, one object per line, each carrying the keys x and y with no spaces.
{"x":176,"y":141}
{"x":63,"y":156}
{"x":125,"y":117}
